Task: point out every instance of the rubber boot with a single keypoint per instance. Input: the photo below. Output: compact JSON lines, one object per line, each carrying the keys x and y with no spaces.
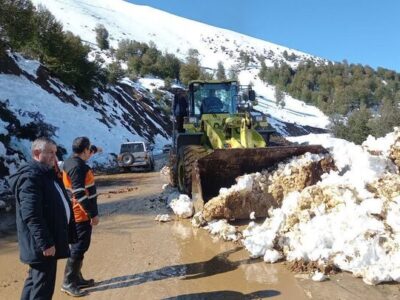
{"x":69,"y":285}
{"x":83,"y":283}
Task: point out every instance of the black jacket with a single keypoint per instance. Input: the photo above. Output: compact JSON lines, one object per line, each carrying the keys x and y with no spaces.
{"x":180,"y":106}
{"x":40,"y":213}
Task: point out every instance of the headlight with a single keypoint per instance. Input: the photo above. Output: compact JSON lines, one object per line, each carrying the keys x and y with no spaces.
{"x":260,"y":118}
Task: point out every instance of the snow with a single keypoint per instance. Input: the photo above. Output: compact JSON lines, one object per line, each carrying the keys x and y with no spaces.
{"x":381,"y":145}
{"x":71,"y":121}
{"x":318,"y":276}
{"x":294,"y":111}
{"x":151,"y":83}
{"x":222,"y":229}
{"x":2,"y":149}
{"x":163,"y":218}
{"x":171,"y":33}
{"x":3,"y":129}
{"x":28,"y":65}
{"x":182,"y":206}
{"x":357,"y":223}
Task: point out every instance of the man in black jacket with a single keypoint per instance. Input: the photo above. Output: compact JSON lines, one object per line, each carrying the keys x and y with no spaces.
{"x":180,"y":109}
{"x":45,"y":221}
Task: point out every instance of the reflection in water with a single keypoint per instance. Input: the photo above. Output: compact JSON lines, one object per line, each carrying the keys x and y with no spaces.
{"x":261,"y":273}
{"x":182,"y":231}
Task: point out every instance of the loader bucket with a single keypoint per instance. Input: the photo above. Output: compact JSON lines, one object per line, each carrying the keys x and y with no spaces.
{"x":221,"y":167}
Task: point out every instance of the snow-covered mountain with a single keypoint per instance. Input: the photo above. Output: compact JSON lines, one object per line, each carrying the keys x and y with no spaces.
{"x":31,"y":101}
{"x":173,"y":34}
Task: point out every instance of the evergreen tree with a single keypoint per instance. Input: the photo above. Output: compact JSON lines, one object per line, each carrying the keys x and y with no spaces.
{"x":279,"y":97}
{"x":191,"y":69}
{"x":389,"y":117}
{"x":263,"y":71}
{"x":233,"y":72}
{"x":16,"y":22}
{"x":48,"y":37}
{"x":134,"y":66}
{"x":3,"y":47}
{"x":221,"y":71}
{"x":102,"y":37}
{"x":245,"y":58}
{"x":357,"y":125}
{"x":115,"y":72}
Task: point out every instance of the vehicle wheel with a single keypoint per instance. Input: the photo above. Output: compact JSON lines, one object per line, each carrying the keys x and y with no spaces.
{"x":186,"y":157}
{"x":127,"y":159}
{"x":151,"y":167}
{"x":173,"y":174}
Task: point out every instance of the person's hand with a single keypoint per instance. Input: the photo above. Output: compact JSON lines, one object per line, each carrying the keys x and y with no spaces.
{"x":94,"y":221}
{"x":49,"y":251}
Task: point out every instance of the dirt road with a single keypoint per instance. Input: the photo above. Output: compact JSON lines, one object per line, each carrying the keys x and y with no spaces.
{"x":132,"y":256}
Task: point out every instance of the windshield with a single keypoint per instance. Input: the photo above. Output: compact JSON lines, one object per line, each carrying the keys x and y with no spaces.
{"x":215,"y":98}
{"x":132,"y":147}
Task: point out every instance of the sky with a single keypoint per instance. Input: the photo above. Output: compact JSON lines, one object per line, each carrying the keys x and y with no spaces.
{"x":360,"y":31}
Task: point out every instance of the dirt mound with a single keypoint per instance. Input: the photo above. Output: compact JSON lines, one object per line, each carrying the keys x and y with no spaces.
{"x":260,"y":191}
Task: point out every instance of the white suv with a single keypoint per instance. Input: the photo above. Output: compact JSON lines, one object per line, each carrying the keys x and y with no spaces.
{"x":136,"y":154}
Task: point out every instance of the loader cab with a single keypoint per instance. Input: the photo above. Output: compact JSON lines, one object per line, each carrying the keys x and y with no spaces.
{"x":212,"y":98}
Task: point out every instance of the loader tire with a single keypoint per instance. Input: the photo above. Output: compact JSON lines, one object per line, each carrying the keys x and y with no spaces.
{"x":186,"y":157}
{"x":173,"y":173}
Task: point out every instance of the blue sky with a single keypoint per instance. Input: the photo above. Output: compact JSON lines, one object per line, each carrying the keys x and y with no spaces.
{"x":361,"y":31}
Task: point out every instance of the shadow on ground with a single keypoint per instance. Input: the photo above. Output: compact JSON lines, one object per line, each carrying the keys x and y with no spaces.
{"x":224,"y":295}
{"x":216,"y":265}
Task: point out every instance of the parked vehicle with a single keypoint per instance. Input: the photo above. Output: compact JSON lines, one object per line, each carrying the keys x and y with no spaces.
{"x":136,"y":154}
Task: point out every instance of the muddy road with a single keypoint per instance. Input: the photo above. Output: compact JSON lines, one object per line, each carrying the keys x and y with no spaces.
{"x":132,"y":256}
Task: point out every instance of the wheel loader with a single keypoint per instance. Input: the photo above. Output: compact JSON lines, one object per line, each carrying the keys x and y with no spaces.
{"x":222,"y":140}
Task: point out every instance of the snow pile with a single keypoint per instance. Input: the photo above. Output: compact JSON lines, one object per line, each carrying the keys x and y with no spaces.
{"x":259,"y":191}
{"x":222,"y":229}
{"x":163,"y":218}
{"x":318,"y":276}
{"x":387,"y":146}
{"x":350,"y":219}
{"x":182,"y":206}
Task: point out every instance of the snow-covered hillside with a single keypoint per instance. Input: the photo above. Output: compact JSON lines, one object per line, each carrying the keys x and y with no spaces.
{"x":173,"y":34}
{"x":33,"y":102}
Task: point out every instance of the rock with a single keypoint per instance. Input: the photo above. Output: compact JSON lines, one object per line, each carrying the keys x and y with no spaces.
{"x":198,"y":220}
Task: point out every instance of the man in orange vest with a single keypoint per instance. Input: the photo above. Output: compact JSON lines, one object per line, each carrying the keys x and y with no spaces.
{"x":78,"y":179}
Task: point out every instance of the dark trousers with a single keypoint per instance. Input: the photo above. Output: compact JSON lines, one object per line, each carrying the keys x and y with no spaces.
{"x":41,"y":280}
{"x":84,"y":233}
{"x":179,"y":123}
